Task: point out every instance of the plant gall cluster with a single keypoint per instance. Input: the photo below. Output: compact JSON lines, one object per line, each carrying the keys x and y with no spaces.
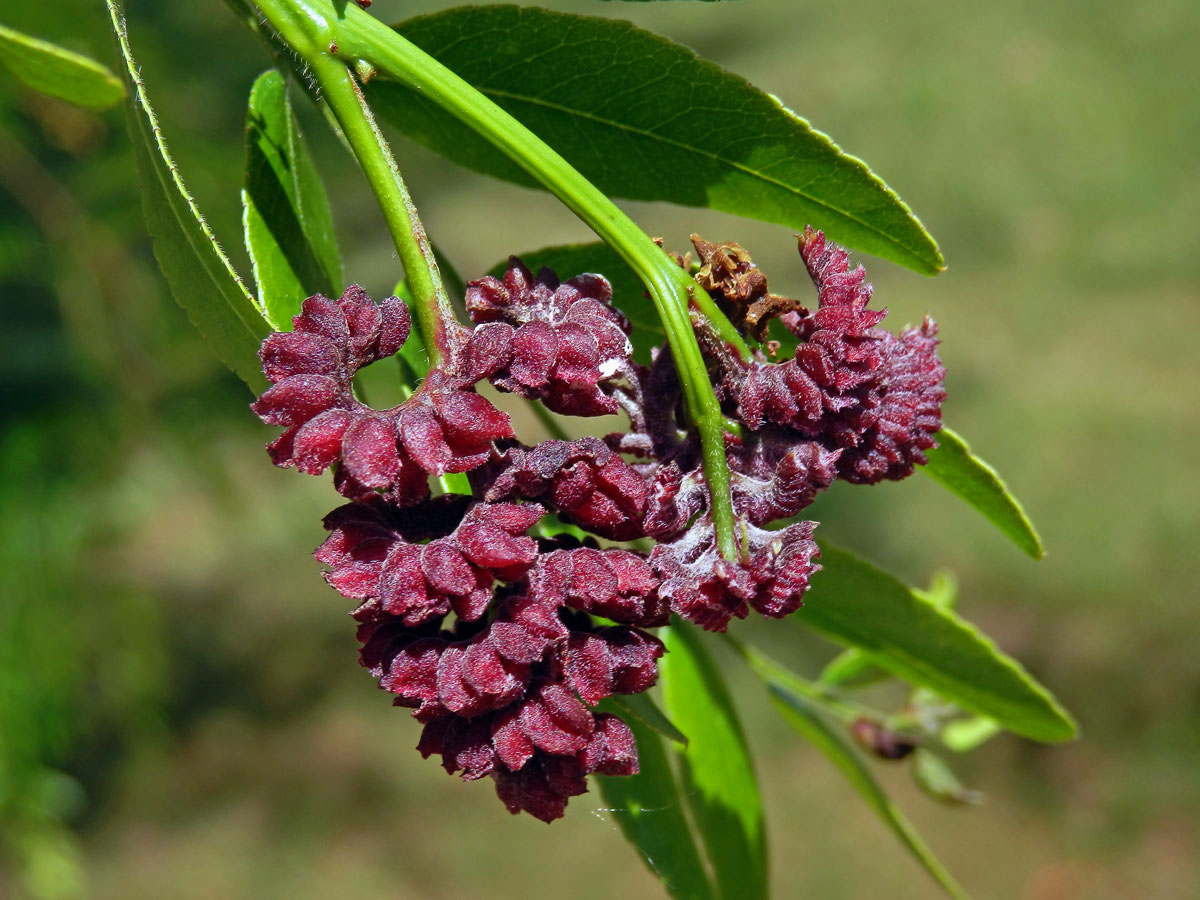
{"x":500,"y":631}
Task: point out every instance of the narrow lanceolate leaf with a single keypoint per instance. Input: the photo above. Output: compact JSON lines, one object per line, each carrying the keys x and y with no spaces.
{"x":718,"y":776}
{"x":808,"y":721}
{"x":953,"y":465}
{"x":648,"y":807}
{"x":853,"y":668}
{"x":856,"y":604}
{"x":629,"y":294}
{"x":643,"y":708}
{"x":646,"y":119}
{"x":286,"y":216}
{"x":200,"y":275}
{"x":60,"y":73}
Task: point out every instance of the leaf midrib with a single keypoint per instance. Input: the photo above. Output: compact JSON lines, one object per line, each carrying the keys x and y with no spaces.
{"x":556,"y":107}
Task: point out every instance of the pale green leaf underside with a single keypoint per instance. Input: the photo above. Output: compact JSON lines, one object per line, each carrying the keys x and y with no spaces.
{"x":286,"y":217}
{"x":649,"y":809}
{"x":952,"y":465}
{"x":644,"y":118}
{"x":856,"y":604}
{"x":58,"y":72}
{"x":808,"y":721}
{"x":200,"y":275}
{"x":718,"y":775}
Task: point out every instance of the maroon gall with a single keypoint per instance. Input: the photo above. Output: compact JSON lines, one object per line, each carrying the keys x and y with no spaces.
{"x":565,"y":339}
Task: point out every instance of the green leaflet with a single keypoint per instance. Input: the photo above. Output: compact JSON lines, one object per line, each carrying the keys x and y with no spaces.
{"x":643,"y":708}
{"x":646,"y":119}
{"x":288,"y":224}
{"x":938,"y":780}
{"x":807,"y":719}
{"x":649,"y":809}
{"x":200,"y":275}
{"x":953,"y":465}
{"x":718,"y":775}
{"x":964,"y":735}
{"x":629,"y":295}
{"x":60,"y":73}
{"x":942,"y":591}
{"x":856,"y":604}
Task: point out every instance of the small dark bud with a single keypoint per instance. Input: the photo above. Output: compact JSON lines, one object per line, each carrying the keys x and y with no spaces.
{"x":882,"y":741}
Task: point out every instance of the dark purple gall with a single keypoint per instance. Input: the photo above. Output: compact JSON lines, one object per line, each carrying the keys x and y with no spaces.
{"x":564,"y":339}
{"x":444,"y":427}
{"x":583,"y":480}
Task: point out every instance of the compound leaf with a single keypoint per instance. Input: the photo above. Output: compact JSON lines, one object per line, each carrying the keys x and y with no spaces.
{"x":808,"y":721}
{"x":642,"y":707}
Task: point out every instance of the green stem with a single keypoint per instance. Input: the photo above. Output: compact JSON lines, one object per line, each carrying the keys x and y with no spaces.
{"x":314,"y":27}
{"x":305,"y":30}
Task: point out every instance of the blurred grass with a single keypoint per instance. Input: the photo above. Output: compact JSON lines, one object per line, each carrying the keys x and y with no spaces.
{"x":182,"y":712}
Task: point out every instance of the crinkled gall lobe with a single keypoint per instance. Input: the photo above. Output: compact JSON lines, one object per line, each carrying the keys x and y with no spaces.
{"x":764,"y":494}
{"x":616,"y":584}
{"x":900,"y":426}
{"x":564,"y":341}
{"x":373,"y":555}
{"x":851,"y":385}
{"x":771,"y":577}
{"x":511,"y":698}
{"x":583,"y":480}
{"x":444,"y":427}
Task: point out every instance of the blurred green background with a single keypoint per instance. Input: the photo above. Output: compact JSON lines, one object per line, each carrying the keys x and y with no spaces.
{"x":181,"y":712}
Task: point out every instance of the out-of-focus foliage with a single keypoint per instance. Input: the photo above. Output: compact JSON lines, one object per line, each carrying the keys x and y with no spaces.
{"x":58,"y":72}
{"x":182,"y":711}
